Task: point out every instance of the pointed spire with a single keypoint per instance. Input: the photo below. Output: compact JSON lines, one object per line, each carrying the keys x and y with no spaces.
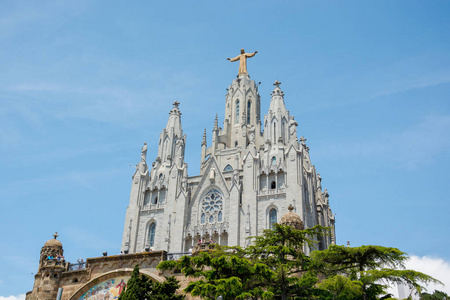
{"x":204,"y":137}
{"x":216,"y":124}
{"x":277,"y":101}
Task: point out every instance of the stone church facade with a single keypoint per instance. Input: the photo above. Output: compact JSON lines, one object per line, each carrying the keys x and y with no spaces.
{"x":253,"y":169}
{"x":255,"y":172}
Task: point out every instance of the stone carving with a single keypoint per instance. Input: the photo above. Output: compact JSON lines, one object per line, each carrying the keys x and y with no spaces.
{"x":251,"y":134}
{"x":293,"y":129}
{"x":144,"y":152}
{"x":212,"y":175}
{"x":319,"y":182}
{"x":242,"y":61}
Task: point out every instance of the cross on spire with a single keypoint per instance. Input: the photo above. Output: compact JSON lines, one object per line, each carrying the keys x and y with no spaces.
{"x":55,"y":235}
{"x":176,"y":103}
{"x":277,"y":83}
{"x":290,"y":208}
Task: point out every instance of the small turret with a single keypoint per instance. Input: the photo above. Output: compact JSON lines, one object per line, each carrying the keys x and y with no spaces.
{"x":51,"y":265}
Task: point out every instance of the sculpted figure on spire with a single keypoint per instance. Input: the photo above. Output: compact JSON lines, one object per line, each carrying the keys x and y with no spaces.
{"x":242,"y":61}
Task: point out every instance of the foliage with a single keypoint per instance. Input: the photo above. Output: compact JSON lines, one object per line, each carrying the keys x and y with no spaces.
{"x":371,"y":266}
{"x":143,"y":287}
{"x":341,"y":287}
{"x":270,"y":268}
{"x":276,"y":267}
{"x":437,"y":295}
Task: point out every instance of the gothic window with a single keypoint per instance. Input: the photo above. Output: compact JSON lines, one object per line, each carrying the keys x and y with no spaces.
{"x":219,"y":217}
{"x":272,"y":217}
{"x":236,"y":144}
{"x":162,"y":195}
{"x":151,"y":234}
{"x":274,"y":161}
{"x":237,"y":111}
{"x":211,"y":206}
{"x":155,"y":200}
{"x":273,"y":185}
{"x":274,"y":132}
{"x":228,"y":168}
{"x":249,"y":106}
{"x":147,"y":197}
{"x":280,"y":179}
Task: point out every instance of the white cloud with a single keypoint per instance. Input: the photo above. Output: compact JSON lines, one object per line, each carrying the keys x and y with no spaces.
{"x":19,"y":297}
{"x":416,"y":146}
{"x":435,"y":267}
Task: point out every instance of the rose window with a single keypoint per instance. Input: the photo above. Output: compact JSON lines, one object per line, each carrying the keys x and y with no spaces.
{"x":212,"y":207}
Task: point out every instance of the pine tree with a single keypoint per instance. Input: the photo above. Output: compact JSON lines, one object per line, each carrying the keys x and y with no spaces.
{"x":135,"y":287}
{"x":140,"y":287}
{"x":366,"y":266}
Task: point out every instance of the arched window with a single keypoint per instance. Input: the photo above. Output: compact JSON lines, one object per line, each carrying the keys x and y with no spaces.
{"x":203,"y":219}
{"x":272,"y":217}
{"x":228,"y":168}
{"x":273,"y":185}
{"x":155,"y":200}
{"x":249,"y":106}
{"x":219,"y":217}
{"x":274,"y":161}
{"x":151,"y":234}
{"x":211,"y":219}
{"x":237,"y":111}
{"x":236,"y":144}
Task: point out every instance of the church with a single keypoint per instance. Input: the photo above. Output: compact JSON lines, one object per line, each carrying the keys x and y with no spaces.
{"x":254,"y":172}
{"x":253,"y":168}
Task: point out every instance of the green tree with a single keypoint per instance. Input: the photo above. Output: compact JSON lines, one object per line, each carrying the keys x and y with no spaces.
{"x":437,"y":295}
{"x":135,"y":289}
{"x":271,"y":268}
{"x":141,"y":287}
{"x":281,"y":249}
{"x":371,"y":266}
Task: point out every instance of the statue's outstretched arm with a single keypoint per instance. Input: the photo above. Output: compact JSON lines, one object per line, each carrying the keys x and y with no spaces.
{"x":234,"y":59}
{"x":251,"y":54}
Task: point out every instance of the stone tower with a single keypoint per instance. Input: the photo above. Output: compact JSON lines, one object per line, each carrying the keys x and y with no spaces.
{"x":51,"y":266}
{"x":249,"y":175}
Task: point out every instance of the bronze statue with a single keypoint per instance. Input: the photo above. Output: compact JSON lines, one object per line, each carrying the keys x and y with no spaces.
{"x":242,"y":61}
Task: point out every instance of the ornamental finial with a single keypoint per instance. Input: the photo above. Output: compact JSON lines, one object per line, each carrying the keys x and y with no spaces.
{"x":277,"y":83}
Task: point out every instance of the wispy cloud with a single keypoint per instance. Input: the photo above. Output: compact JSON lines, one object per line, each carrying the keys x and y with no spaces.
{"x":416,"y":146}
{"x":79,"y":236}
{"x":18,"y":297}
{"x":56,"y":182}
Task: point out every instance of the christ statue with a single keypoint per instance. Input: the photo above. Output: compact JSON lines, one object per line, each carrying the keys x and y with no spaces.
{"x":242,"y":61}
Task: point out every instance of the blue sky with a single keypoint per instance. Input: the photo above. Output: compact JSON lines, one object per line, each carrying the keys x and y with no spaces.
{"x":84,"y":83}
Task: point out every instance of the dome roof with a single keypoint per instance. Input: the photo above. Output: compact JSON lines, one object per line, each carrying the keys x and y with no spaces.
{"x":292,"y":219}
{"x":53,"y":242}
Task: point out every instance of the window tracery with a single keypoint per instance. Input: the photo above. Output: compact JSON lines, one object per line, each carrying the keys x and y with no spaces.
{"x":211,"y":207}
